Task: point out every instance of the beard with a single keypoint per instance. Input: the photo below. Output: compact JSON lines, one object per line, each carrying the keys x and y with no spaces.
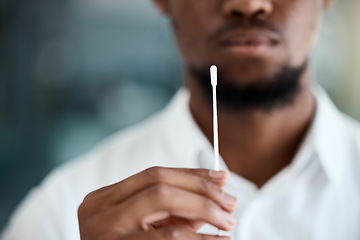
{"x":267,"y":94}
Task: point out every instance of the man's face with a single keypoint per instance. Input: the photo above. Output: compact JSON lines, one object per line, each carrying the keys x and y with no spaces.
{"x":249,"y":40}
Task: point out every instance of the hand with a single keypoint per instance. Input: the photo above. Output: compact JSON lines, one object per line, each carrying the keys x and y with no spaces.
{"x":159,"y":204}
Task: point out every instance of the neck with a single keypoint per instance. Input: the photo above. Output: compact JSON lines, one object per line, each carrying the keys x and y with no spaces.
{"x":254,"y":144}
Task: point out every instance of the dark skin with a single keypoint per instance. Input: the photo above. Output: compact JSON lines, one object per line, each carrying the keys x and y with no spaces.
{"x":250,"y":143}
{"x":162,"y":203}
{"x":258,"y":145}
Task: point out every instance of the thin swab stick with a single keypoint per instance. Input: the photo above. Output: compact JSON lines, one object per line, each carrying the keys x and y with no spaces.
{"x":213,"y":75}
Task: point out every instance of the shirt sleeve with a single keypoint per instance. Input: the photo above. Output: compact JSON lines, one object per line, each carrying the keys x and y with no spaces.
{"x":48,"y":212}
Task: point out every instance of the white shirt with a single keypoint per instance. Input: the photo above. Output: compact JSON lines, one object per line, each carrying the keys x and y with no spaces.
{"x":316,"y":197}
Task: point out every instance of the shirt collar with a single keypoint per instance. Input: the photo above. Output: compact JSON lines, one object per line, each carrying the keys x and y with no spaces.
{"x":327,"y":136}
{"x":324,"y":139}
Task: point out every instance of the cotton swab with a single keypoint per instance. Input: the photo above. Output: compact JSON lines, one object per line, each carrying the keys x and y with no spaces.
{"x":213,"y":75}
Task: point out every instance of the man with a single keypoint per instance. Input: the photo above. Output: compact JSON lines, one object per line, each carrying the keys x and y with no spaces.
{"x":294,"y":159}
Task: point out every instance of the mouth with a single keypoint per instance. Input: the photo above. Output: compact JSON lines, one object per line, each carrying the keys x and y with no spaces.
{"x":250,"y":43}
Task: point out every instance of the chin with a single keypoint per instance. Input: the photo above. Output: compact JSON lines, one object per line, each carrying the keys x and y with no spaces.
{"x":244,"y":74}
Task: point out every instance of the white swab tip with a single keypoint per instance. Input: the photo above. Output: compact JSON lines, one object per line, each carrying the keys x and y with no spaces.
{"x":213,"y":74}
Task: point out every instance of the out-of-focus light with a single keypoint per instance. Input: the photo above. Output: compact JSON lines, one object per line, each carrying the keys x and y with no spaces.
{"x":56,"y":62}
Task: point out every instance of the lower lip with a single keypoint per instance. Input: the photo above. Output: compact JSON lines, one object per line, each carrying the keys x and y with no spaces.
{"x":258,"y":49}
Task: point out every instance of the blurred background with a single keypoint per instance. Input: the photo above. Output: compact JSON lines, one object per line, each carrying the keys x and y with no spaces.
{"x":73,"y":72}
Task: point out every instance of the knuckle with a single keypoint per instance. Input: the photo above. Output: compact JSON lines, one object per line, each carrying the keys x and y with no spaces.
{"x":156,"y":174}
{"x":84,"y":212}
{"x":86,"y":207}
{"x":172,"y":233}
{"x":207,"y":185}
{"x":81,"y":211}
{"x":89,"y":196}
{"x":95,"y":194}
{"x":209,"y":206}
{"x":160,"y":191}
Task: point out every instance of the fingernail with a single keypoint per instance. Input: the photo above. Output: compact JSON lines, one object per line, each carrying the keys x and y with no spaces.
{"x":216,"y":174}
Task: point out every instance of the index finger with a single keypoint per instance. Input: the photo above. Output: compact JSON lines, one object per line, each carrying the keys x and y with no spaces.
{"x":201,"y":181}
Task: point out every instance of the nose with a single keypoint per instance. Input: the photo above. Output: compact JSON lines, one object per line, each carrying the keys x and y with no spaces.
{"x":247,"y":8}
